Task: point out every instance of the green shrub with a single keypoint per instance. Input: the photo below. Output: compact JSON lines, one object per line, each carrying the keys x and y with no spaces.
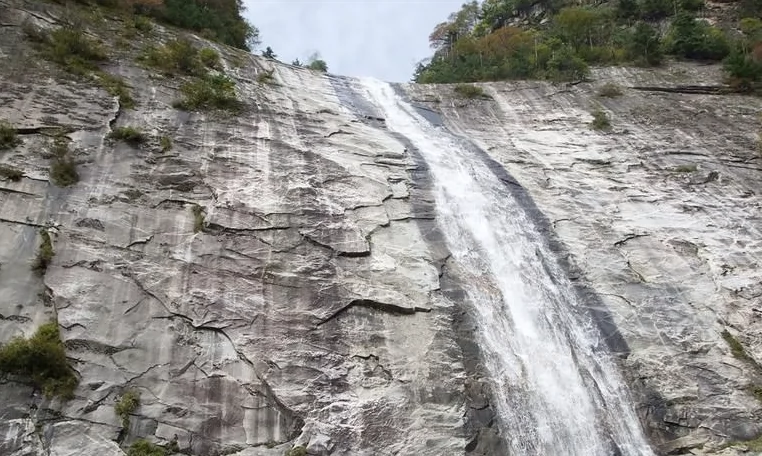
{"x":8,"y":136}
{"x":11,"y":173}
{"x":209,"y":93}
{"x":198,"y":218}
{"x":297,"y":451}
{"x":146,"y":448}
{"x":600,"y":120}
{"x":165,"y":142}
{"x":743,"y":69}
{"x":210,"y":58}
{"x":178,"y":56}
{"x":469,"y":91}
{"x":610,"y":90}
{"x":644,"y":46}
{"x":130,"y":135}
{"x":45,"y":252}
{"x":128,"y":403}
{"x":653,"y":10}
{"x":142,"y":23}
{"x":72,"y":49}
{"x":42,"y":360}
{"x":695,"y":39}
{"x":116,"y":86}
{"x":63,"y":172}
{"x":318,"y":65}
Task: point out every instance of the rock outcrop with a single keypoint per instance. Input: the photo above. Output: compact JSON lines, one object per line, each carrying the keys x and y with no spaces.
{"x":276,"y":278}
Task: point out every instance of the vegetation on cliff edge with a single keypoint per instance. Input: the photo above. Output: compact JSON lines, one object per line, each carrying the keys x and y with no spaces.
{"x":559,"y":40}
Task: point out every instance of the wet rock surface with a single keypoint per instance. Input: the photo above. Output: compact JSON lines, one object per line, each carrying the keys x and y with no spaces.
{"x":660,"y":216}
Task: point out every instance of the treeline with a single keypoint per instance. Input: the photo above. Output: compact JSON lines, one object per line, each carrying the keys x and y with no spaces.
{"x":219,"y":20}
{"x":478,"y":43}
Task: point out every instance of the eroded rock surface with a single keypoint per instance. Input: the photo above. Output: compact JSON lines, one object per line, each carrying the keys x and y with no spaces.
{"x":660,"y":216}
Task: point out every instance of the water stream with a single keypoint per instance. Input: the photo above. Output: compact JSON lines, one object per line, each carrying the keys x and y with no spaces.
{"x":557,"y":390}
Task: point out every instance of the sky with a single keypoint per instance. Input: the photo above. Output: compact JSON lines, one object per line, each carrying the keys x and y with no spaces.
{"x":379,"y":38}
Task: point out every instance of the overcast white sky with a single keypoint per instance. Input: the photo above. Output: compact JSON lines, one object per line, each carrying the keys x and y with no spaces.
{"x":379,"y":38}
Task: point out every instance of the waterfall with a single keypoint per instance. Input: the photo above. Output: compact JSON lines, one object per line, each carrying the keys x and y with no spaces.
{"x":556,"y":389}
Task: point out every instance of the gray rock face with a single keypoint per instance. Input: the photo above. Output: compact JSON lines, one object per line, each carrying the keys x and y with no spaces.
{"x":660,"y":216}
{"x":312,"y":307}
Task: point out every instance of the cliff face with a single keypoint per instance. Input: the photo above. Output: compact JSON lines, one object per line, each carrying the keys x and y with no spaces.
{"x":660,"y":216}
{"x":278,"y":278}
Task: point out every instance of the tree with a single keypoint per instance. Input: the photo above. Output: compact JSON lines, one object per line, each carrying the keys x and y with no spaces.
{"x":316,"y":63}
{"x":627,"y":9}
{"x":296,"y":62}
{"x":645,"y":45}
{"x":692,"y":39}
{"x":268,"y":53}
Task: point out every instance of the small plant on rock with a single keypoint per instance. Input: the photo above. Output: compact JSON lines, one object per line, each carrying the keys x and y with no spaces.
{"x":63,"y":170}
{"x":209,"y":93}
{"x":42,"y":360}
{"x":175,"y":57}
{"x":600,"y":120}
{"x":210,"y":58}
{"x":165,"y":142}
{"x":143,"y":447}
{"x":610,"y":90}
{"x":8,"y":136}
{"x":130,"y":135}
{"x":297,"y":451}
{"x":72,"y":49}
{"x":266,"y":77}
{"x":469,"y":91}
{"x":116,"y":86}
{"x":11,"y":173}
{"x":44,"y":253}
{"x":128,"y":403}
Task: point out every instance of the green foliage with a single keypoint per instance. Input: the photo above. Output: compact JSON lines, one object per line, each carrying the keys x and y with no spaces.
{"x":42,"y":360}
{"x":736,"y":349}
{"x":145,"y":448}
{"x":8,"y":136}
{"x":610,"y":90}
{"x":198,"y":218}
{"x":165,"y":142}
{"x":130,"y":135}
{"x":654,"y":10}
{"x":627,"y":9}
{"x":297,"y":451}
{"x":600,"y":121}
{"x":695,"y":39}
{"x":45,"y":252}
{"x":178,"y":56}
{"x":686,"y":168}
{"x":116,"y":86}
{"x":63,"y":170}
{"x":469,"y":91}
{"x":127,"y":404}
{"x":210,"y":58}
{"x":268,"y":53}
{"x":218,"y":20}
{"x":11,"y":173}
{"x":209,"y":93}
{"x":645,"y":46}
{"x":71,"y":48}
{"x":318,"y":65}
{"x":744,"y":70}
{"x":691,"y":5}
{"x":142,"y":23}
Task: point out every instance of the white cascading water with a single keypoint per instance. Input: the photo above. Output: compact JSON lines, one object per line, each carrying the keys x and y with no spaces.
{"x":557,"y":393}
